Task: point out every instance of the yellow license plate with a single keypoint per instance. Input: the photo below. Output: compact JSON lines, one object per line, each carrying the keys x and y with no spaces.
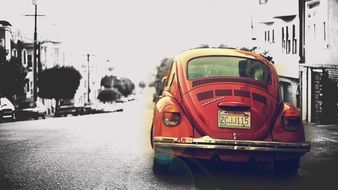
{"x":238,"y":120}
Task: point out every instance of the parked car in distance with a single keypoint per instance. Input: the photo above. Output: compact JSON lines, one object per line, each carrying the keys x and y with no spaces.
{"x":31,"y":110}
{"x":67,"y":106}
{"x":92,"y":108}
{"x":7,"y":110}
{"x":225,"y":104}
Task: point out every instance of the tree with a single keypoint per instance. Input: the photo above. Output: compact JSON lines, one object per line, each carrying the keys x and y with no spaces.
{"x":142,"y":84}
{"x":107,"y":81}
{"x":12,"y":76}
{"x":125,"y":86}
{"x":109,"y":95}
{"x":59,"y":82}
{"x":161,"y":72}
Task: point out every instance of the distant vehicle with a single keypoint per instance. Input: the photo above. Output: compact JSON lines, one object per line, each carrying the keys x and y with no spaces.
{"x":7,"y":110}
{"x":91,"y":108}
{"x":225,"y":104}
{"x":67,"y":106}
{"x":31,"y":110}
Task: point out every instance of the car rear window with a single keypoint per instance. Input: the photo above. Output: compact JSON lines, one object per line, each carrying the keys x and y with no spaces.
{"x":225,"y":66}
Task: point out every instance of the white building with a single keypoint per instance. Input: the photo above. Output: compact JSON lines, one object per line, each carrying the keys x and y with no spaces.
{"x":276,"y":30}
{"x":6,"y":37}
{"x":320,"y":71}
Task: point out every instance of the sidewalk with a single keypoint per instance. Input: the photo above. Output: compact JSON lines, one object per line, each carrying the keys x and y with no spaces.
{"x":321,"y":133}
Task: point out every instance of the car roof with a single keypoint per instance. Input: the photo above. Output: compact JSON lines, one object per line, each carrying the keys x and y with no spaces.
{"x":200,"y":52}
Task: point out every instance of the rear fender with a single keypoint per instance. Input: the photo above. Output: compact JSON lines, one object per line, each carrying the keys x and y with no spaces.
{"x":279,"y":133}
{"x":183,"y":129}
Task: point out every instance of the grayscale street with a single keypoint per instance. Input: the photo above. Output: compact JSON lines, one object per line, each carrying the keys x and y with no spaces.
{"x":238,"y":82}
{"x":112,"y":151}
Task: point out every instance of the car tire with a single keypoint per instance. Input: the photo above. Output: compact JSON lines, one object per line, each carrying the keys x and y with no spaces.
{"x":13,"y":117}
{"x":286,"y":168}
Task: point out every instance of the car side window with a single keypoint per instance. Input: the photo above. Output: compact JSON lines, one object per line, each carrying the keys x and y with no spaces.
{"x":170,"y":75}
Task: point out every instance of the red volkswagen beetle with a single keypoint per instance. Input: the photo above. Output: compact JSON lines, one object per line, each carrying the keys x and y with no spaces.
{"x":225,"y":104}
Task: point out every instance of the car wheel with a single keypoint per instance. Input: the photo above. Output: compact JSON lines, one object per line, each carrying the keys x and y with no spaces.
{"x":13,"y":117}
{"x":286,"y":168}
{"x":162,"y":162}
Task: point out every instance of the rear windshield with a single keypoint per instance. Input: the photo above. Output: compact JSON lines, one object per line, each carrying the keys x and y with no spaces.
{"x":223,"y":66}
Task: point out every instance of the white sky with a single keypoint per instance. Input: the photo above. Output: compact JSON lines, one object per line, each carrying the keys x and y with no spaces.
{"x":134,"y":34}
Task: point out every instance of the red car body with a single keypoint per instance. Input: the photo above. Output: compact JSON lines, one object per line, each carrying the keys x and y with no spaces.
{"x":214,"y":106}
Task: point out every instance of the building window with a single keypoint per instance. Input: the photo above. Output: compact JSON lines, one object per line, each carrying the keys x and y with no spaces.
{"x":268,"y":35}
{"x":31,"y":85}
{"x":24,"y":57}
{"x":265,"y":37}
{"x":314,"y":31}
{"x":294,"y":40}
{"x":56,"y":56}
{"x":14,"y":53}
{"x":286,"y":92}
{"x":324,"y":32}
{"x":288,"y":43}
{"x":27,"y":87}
{"x":283,"y":40}
{"x":30,"y":60}
{"x":273,"y":36}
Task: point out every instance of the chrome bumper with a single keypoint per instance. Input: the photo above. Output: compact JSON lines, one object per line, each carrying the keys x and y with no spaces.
{"x":236,"y":145}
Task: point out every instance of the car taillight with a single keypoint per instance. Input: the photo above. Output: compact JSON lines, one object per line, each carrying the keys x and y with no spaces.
{"x":291,"y":123}
{"x":171,"y":116}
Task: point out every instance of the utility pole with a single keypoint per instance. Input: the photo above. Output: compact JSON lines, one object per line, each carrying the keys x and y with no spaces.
{"x":88,"y":64}
{"x":35,"y":64}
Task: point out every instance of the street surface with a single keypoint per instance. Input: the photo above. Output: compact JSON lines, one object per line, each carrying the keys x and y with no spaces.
{"x":112,"y":151}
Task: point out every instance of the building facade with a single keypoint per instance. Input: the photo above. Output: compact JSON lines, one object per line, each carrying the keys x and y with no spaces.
{"x":276,"y":30}
{"x":6,"y":37}
{"x":302,"y":37}
{"x":319,"y":74}
{"x":14,"y":46}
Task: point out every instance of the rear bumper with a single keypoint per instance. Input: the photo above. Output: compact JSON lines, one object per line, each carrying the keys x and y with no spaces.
{"x":6,"y":115}
{"x":207,"y":143}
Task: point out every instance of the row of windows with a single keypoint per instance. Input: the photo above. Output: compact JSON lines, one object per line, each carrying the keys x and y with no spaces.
{"x":289,"y":39}
{"x":25,"y":58}
{"x":289,"y":36}
{"x":289,"y":43}
{"x":267,"y":36}
{"x":316,"y":34}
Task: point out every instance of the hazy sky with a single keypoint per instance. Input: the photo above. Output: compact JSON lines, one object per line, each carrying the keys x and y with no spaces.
{"x":134,"y":34}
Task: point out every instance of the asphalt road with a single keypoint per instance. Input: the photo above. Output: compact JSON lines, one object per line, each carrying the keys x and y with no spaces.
{"x":112,"y":151}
